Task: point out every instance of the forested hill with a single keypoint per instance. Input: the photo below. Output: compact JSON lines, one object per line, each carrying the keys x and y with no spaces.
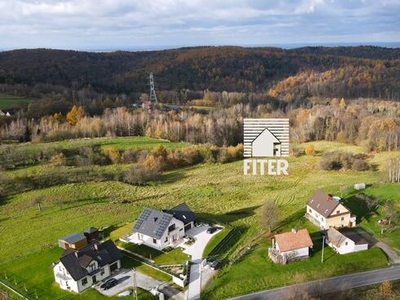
{"x":285,"y":74}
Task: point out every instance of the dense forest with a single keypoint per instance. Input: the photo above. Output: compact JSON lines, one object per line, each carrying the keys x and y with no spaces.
{"x":302,"y":73}
{"x":346,"y":94}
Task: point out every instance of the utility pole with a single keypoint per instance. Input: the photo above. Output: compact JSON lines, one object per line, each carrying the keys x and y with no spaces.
{"x":153,"y":96}
{"x":134,"y":284}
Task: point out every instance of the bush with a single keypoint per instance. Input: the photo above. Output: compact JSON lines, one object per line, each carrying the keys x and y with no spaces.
{"x":337,"y":160}
{"x":139,"y":174}
{"x":360,"y":165}
{"x":310,"y":150}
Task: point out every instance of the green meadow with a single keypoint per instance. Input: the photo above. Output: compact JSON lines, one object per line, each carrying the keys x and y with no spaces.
{"x":217,"y":193}
{"x":10,"y":101}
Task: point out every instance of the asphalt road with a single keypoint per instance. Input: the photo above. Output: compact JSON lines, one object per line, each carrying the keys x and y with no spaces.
{"x":328,"y":285}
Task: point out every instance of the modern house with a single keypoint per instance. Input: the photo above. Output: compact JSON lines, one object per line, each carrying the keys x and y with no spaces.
{"x":74,"y":241}
{"x":345,"y":242}
{"x":161,"y":229}
{"x":326,"y":211}
{"x":183,"y":213}
{"x":293,"y":245}
{"x":79,"y":269}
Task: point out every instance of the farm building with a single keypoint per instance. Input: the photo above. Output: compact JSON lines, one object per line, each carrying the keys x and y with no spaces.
{"x":74,"y":241}
{"x":345,"y":242}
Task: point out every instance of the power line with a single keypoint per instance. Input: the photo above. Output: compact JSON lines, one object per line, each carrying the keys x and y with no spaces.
{"x":153,"y":96}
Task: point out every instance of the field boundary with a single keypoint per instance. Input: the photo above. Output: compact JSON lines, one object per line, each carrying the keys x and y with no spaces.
{"x":14,"y":290}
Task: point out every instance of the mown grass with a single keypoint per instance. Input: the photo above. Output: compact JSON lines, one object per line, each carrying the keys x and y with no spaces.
{"x":10,"y":101}
{"x":215,"y":240}
{"x":216,"y":193}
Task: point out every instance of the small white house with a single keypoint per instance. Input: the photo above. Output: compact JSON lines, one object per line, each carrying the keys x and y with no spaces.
{"x":292,"y":245}
{"x":345,"y":242}
{"x":78,"y":269}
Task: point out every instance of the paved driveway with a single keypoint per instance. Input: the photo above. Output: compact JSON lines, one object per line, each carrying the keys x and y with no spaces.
{"x":125,"y":281}
{"x":201,"y":240}
{"x":196,"y":252}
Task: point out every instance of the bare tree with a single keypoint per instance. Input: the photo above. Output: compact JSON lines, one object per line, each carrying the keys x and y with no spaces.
{"x":270,"y":215}
{"x":37,"y":201}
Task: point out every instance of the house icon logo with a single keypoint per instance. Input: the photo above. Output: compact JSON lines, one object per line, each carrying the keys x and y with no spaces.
{"x":266,"y":137}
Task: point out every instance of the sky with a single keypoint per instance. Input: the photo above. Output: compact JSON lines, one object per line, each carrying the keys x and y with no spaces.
{"x":157,"y":24}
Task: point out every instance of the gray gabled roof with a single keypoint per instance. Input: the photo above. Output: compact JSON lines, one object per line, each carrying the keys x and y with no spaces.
{"x":73,"y":238}
{"x":183,"y":213}
{"x":76,"y":261}
{"x":152,"y":223}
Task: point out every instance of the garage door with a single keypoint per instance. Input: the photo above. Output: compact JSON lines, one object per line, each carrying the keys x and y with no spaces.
{"x":113,"y":266}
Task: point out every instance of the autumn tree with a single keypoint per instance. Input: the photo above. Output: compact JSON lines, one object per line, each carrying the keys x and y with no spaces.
{"x":75,"y":114}
{"x":386,"y":289}
{"x":310,"y":149}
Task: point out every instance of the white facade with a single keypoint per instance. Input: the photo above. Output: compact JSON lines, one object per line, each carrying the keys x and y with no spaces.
{"x":343,"y":244}
{"x":174,"y":232}
{"x":296,"y":253}
{"x":66,"y":282}
{"x":341,"y":217}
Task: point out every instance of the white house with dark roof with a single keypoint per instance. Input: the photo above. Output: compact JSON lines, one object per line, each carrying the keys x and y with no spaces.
{"x":345,"y":242}
{"x":161,"y":229}
{"x":326,"y":211}
{"x":79,"y":269}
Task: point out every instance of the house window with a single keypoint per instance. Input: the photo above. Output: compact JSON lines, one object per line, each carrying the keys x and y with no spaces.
{"x":84,"y":281}
{"x":338,"y":211}
{"x":309,"y":210}
{"x":171,"y":228}
{"x":102,"y":272}
{"x":166,"y":239}
{"x":322,"y":219}
{"x":154,"y":241}
{"x":342,"y":218}
{"x":345,"y":243}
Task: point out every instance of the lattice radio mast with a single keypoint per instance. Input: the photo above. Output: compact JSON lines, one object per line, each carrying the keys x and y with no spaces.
{"x":153,"y":96}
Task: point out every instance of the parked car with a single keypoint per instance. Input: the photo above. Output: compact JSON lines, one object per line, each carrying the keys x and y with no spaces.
{"x":109,"y":284}
{"x":211,"y":229}
{"x":216,"y":264}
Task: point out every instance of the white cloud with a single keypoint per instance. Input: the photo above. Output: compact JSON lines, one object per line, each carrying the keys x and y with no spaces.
{"x":126,"y":23}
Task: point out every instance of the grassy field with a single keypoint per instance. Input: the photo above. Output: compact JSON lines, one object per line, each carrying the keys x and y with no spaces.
{"x":10,"y":101}
{"x":216,"y":193}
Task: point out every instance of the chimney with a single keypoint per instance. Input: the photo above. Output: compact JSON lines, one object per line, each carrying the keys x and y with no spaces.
{"x":155,"y":219}
{"x":96,"y":246}
{"x":328,"y":198}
